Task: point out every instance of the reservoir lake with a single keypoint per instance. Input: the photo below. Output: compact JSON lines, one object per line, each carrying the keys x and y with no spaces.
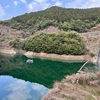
{"x":20,"y":80}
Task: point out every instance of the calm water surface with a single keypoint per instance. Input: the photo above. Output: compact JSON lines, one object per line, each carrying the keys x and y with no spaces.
{"x":31,"y":81}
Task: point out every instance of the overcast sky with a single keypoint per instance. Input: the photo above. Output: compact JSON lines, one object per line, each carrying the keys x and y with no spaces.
{"x":12,"y":8}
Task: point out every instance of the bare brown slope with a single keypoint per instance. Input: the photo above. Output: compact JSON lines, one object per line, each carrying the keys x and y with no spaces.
{"x":92,"y":38}
{"x":7,"y":34}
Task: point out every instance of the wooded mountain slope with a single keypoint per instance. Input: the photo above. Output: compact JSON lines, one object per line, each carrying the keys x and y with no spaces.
{"x":66,"y":19}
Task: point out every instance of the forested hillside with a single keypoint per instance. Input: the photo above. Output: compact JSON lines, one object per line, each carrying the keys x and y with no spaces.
{"x":79,"y":20}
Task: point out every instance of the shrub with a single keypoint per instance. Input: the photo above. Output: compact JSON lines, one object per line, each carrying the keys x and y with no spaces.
{"x":16,"y":43}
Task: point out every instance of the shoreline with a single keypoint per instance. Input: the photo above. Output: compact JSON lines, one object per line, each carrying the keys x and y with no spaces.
{"x":29,"y":54}
{"x":57,"y":56}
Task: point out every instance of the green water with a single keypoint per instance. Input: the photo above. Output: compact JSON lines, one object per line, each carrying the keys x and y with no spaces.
{"x":37,"y":77}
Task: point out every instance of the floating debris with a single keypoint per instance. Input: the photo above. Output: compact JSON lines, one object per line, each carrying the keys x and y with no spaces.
{"x":29,"y":61}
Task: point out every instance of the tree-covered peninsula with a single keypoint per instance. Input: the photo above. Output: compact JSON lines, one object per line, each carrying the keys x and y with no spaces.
{"x":62,"y":43}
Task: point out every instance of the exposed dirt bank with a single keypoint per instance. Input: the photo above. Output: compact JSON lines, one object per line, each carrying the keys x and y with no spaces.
{"x":30,"y":54}
{"x":80,"y":86}
{"x":92,"y":40}
{"x":9,"y":52}
{"x":58,"y":57}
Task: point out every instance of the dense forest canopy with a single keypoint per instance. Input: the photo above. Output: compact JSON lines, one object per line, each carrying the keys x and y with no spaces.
{"x":79,"y":20}
{"x":62,"y":43}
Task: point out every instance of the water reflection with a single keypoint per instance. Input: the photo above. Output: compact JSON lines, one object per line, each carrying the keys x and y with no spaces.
{"x":14,"y":89}
{"x":41,"y":71}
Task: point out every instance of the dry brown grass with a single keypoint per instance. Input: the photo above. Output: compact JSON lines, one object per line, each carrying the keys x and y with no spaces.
{"x":81,"y":86}
{"x":92,"y":41}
